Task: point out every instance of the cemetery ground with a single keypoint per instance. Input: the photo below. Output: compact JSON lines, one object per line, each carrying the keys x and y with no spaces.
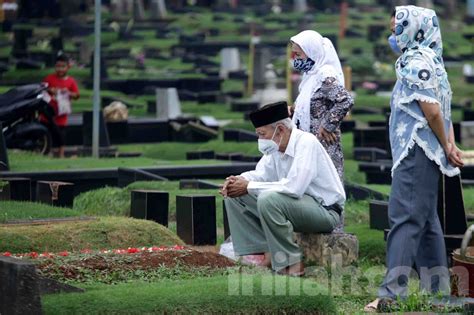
{"x":136,"y":266}
{"x":132,"y":282}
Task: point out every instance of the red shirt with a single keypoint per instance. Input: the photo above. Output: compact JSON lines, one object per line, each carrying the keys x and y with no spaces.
{"x":62,"y":83}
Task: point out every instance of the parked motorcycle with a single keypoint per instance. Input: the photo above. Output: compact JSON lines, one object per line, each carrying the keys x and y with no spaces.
{"x":19,"y":111}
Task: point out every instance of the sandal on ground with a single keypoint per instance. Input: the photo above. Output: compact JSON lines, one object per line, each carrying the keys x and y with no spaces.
{"x":372,"y":306}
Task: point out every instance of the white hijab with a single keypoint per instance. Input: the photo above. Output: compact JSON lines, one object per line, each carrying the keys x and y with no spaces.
{"x":327,"y":64}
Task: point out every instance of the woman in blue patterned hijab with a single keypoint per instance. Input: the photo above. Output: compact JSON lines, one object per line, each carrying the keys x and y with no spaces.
{"x":423,"y":147}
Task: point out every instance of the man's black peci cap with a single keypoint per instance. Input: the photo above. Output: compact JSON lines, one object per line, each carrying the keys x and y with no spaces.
{"x":268,"y":114}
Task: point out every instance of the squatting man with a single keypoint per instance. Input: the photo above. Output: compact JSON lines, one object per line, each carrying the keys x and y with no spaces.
{"x":294,"y":188}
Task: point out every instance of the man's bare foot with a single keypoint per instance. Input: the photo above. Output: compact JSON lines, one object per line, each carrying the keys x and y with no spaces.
{"x":295,"y":270}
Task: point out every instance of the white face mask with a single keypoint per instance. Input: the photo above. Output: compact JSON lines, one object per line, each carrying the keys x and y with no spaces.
{"x":268,"y":146}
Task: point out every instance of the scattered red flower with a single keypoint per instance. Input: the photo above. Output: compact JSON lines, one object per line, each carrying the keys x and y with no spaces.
{"x":130,"y":250}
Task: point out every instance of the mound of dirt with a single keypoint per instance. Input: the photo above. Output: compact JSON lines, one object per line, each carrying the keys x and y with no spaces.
{"x":75,"y":268}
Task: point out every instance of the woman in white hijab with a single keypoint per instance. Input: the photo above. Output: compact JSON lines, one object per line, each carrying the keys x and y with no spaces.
{"x":322,"y":101}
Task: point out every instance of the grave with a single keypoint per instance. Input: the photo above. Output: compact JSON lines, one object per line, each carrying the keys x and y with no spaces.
{"x":168,"y":105}
{"x":451,"y":212}
{"x":126,"y":176}
{"x":19,"y":289}
{"x":370,"y":154}
{"x":4,"y":166}
{"x":244,"y":105}
{"x":200,"y":155}
{"x":138,"y":10}
{"x":87,"y":117}
{"x":230,"y":61}
{"x":358,"y":192}
{"x":197,"y":184}
{"x":468,"y":114}
{"x":234,"y":156}
{"x":467,"y":134}
{"x":239,"y":135}
{"x":191,"y":132}
{"x":196,"y":219}
{"x":158,"y":9}
{"x":150,"y":205}
{"x":15,"y":188}
{"x":377,"y":172}
{"x":59,"y":194}
{"x":371,"y":137}
{"x":226,"y":221}
{"x":378,"y":215}
{"x":375,"y":31}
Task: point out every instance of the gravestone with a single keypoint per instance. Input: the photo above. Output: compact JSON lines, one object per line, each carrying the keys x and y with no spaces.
{"x":239,"y":135}
{"x":244,"y":105}
{"x":262,"y":58}
{"x":200,"y":155}
{"x":158,"y":9}
{"x":196,"y":219}
{"x":138,"y":10}
{"x":168,"y":105}
{"x":19,"y":288}
{"x":470,"y":10}
{"x":150,"y":205}
{"x":451,"y":212}
{"x":104,"y":140}
{"x":226,"y":221}
{"x":4,"y":166}
{"x":359,"y":192}
{"x":467,"y":134}
{"x":15,"y":188}
{"x":300,"y":6}
{"x":370,"y":137}
{"x":20,"y":41}
{"x":85,"y":52}
{"x":230,"y":61}
{"x":369,"y":154}
{"x":126,"y":176}
{"x":103,"y":68}
{"x":378,"y":215}
{"x":59,"y":194}
{"x":197,"y":184}
{"x":209,"y":122}
{"x":195,"y":132}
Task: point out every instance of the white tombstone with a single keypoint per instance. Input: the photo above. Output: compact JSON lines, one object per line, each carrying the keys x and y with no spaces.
{"x":230,"y":61}
{"x":271,"y":93}
{"x":425,"y":3}
{"x":467,"y":70}
{"x":467,"y":134}
{"x":300,"y":6}
{"x":127,"y":7}
{"x":158,"y":9}
{"x":168,"y":105}
{"x":209,"y":121}
{"x":470,"y":8}
{"x":138,"y":10}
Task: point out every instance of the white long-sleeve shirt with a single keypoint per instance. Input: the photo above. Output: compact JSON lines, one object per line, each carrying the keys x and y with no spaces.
{"x":304,"y":168}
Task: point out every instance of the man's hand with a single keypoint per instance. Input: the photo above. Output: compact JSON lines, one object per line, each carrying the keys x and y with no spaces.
{"x":237,"y":187}
{"x":228,"y":180}
{"x":329,"y":137}
{"x":454,"y":155}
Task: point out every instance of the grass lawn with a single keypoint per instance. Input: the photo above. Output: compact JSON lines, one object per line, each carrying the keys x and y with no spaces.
{"x":26,"y":162}
{"x":105,"y":233}
{"x":14,"y":210}
{"x":254,"y":294}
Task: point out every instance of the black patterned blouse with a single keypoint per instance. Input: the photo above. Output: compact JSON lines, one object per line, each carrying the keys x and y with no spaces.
{"x":329,"y":104}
